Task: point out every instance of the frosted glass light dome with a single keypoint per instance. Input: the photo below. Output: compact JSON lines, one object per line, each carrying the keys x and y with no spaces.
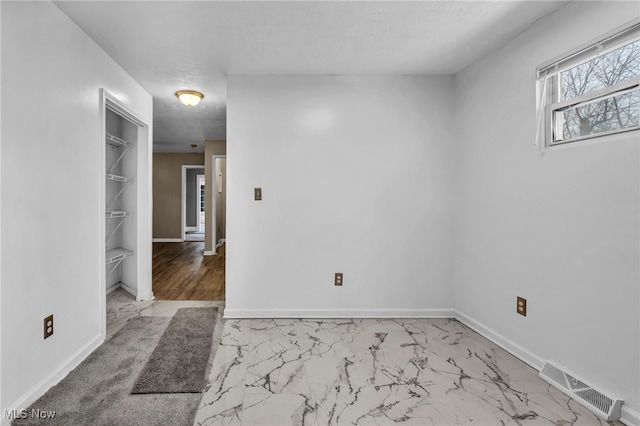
{"x":189,"y":97}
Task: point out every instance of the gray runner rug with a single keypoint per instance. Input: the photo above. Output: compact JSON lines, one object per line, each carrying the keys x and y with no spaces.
{"x":178,"y":364}
{"x":98,"y":391}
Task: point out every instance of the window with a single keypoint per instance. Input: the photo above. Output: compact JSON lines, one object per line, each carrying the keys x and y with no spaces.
{"x":593,"y":91}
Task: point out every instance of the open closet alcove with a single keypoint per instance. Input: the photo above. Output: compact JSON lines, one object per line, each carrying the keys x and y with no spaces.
{"x":127,"y":200}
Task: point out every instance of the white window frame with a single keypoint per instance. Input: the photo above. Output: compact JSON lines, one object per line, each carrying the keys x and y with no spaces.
{"x":549,"y":79}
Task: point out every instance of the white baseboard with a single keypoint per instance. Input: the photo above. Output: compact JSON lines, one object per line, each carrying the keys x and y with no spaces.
{"x":168,"y":240}
{"x":126,"y":287}
{"x":630,"y":417}
{"x":113,"y":287}
{"x":132,"y":291}
{"x":54,"y":378}
{"x":209,"y":253}
{"x":338,"y":313}
{"x":508,"y":345}
{"x":191,"y":228}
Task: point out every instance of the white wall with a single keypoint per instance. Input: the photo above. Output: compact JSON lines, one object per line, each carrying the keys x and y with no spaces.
{"x":356,"y":177}
{"x":559,"y":229}
{"x":51,"y":75}
{"x":1,"y":322}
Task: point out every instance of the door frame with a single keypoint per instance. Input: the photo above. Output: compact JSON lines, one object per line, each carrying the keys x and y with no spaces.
{"x":199,"y":192}
{"x":183,"y":199}
{"x":214,"y":188}
{"x":144,"y":205}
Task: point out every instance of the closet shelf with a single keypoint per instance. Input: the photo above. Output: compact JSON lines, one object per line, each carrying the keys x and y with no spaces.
{"x":115,"y":141}
{"x":118,"y":143}
{"x":117,"y":254}
{"x":118,"y":178}
{"x":112,"y":214}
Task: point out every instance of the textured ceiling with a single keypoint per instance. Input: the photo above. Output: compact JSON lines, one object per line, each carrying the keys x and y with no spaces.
{"x":167,"y":46}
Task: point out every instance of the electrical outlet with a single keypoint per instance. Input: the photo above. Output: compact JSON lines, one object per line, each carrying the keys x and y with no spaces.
{"x":257,"y":194}
{"x":48,"y":326}
{"x":521,"y":308}
{"x":338,"y":279}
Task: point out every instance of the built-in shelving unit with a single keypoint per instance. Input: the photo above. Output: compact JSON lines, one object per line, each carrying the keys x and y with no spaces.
{"x":120,"y":202}
{"x":117,"y":255}
{"x":114,"y":214}
{"x":125,"y":192}
{"x":115,"y":141}
{"x":117,"y":178}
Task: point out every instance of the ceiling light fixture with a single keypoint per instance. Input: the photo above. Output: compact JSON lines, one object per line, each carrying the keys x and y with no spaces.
{"x":189,"y":97}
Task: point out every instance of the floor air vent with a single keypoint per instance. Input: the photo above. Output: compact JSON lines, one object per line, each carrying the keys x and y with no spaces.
{"x":602,"y":404}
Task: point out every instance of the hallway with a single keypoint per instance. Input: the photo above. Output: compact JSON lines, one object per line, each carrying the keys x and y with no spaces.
{"x":180,"y":272}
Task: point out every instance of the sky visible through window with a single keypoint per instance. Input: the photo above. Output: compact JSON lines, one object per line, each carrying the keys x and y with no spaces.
{"x":612,"y":113}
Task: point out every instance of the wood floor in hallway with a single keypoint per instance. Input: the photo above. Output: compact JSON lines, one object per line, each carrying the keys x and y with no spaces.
{"x":181,"y":272}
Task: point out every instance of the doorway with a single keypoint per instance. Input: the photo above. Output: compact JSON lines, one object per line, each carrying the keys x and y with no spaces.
{"x":219,"y":197}
{"x":201,"y":205}
{"x":184,"y":270}
{"x":193,"y":202}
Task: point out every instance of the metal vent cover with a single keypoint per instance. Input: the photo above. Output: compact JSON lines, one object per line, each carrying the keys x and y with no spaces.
{"x":604,"y":405}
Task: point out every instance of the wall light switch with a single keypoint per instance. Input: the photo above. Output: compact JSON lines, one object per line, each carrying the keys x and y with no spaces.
{"x":257,"y":194}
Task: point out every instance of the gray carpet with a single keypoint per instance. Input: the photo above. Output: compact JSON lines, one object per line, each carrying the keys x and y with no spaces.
{"x":179,"y":362}
{"x":98,"y":391}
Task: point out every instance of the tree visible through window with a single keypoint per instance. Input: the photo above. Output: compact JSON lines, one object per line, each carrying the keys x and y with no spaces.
{"x":612,"y":113}
{"x":595,"y":91}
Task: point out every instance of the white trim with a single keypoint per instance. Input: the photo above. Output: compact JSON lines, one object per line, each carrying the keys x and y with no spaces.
{"x":168,"y":240}
{"x":191,"y":228}
{"x":144,"y":218}
{"x":54,"y":378}
{"x":629,"y":417}
{"x":132,"y":291}
{"x":122,"y":110}
{"x":144,"y":202}
{"x":1,"y":400}
{"x":618,"y":89}
{"x":613,"y":39}
{"x":113,"y":287}
{"x":339,"y":313}
{"x":505,"y":343}
{"x":554,"y":127}
{"x":553,"y":121}
{"x":209,"y":253}
{"x":508,"y":345}
{"x":615,"y":137}
{"x":102,"y":268}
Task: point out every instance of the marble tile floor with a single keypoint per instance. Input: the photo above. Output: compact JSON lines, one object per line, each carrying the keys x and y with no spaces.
{"x":364,"y":372}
